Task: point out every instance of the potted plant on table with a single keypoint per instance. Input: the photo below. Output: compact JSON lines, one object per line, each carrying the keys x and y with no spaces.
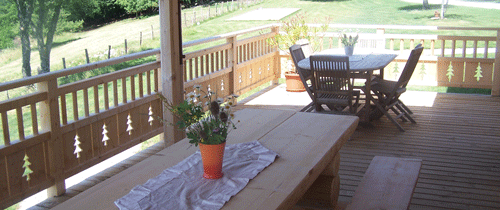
{"x":348,"y":41}
{"x":208,"y":129}
{"x":293,"y":30}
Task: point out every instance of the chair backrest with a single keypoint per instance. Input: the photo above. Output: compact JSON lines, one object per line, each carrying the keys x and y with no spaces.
{"x":297,"y":54}
{"x":409,"y":67}
{"x":306,"y":47}
{"x":330,"y":73}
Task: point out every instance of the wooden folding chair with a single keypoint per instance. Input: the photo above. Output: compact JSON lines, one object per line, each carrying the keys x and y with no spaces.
{"x":297,"y":54}
{"x":388,"y":92}
{"x":332,"y":83}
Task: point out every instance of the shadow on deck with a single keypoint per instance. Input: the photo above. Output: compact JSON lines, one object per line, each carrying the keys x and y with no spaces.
{"x":457,"y":136}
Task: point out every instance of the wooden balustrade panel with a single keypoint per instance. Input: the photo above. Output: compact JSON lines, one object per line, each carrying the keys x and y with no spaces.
{"x":254,"y":73}
{"x":28,"y":157}
{"x":203,"y":62}
{"x":455,"y":72}
{"x":123,"y":130}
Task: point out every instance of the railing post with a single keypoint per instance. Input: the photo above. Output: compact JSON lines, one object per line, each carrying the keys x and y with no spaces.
{"x":277,"y":58}
{"x":380,"y":42}
{"x":233,"y":64}
{"x":171,"y":77}
{"x":495,"y":89}
{"x":50,"y":122}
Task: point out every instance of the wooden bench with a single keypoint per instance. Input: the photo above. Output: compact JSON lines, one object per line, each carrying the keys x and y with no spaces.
{"x":387,"y":184}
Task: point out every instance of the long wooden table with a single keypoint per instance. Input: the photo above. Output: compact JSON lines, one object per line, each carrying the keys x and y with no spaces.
{"x":362,"y":64}
{"x":308,"y":143}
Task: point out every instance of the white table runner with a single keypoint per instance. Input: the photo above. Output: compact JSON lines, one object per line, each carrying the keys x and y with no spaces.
{"x":183,"y":187}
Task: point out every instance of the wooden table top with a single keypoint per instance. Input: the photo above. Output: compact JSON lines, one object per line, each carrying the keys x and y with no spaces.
{"x":306,"y":143}
{"x":364,"y":60}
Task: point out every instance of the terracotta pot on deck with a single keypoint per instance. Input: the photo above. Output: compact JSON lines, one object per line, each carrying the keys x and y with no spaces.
{"x":293,"y":82}
{"x":211,"y":156}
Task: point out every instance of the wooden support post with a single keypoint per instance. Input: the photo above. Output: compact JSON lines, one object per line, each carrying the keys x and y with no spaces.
{"x":49,"y":121}
{"x":277,"y":59}
{"x":495,"y":90}
{"x":171,"y":77}
{"x":109,"y":51}
{"x":64,"y":62}
{"x":232,"y":57}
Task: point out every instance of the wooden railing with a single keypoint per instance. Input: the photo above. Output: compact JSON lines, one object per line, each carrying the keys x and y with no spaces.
{"x":448,"y":60}
{"x":60,"y":130}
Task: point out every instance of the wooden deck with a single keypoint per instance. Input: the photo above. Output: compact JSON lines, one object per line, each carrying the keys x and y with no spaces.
{"x":457,"y":136}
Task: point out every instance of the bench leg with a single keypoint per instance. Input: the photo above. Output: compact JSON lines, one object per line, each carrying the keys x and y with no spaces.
{"x":335,"y":189}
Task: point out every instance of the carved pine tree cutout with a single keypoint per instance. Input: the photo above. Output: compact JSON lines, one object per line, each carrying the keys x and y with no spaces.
{"x":26,"y":166}
{"x":105,"y":137}
{"x":422,"y":70}
{"x":449,"y":73}
{"x":396,"y":70}
{"x":479,"y":72}
{"x":150,"y":120}
{"x":129,"y":123}
{"x":77,"y":146}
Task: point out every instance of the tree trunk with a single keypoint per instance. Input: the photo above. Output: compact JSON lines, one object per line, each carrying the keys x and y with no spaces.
{"x":49,"y":24}
{"x":444,"y":6}
{"x":24,"y":13}
{"x":425,"y":5}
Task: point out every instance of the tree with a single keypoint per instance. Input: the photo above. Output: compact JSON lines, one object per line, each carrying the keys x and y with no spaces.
{"x":24,"y":13}
{"x":425,"y":5}
{"x":444,"y":7}
{"x":40,"y":18}
{"x":136,"y":6}
{"x":44,"y":27}
{"x":8,"y":23}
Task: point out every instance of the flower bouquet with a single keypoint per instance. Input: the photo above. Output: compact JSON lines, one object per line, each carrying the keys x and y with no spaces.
{"x":348,"y":42}
{"x":208,"y":129}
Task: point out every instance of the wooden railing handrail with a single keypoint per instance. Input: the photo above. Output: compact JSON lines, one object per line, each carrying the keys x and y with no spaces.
{"x":225,"y":36}
{"x":406,"y":27}
{"x":73,"y":70}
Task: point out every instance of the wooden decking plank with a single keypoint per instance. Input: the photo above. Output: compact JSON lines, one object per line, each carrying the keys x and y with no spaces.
{"x":472,"y":203}
{"x":429,"y":141}
{"x":446,"y":156}
{"x":487,"y":195}
{"x":458,"y":139}
{"x":428,"y":155}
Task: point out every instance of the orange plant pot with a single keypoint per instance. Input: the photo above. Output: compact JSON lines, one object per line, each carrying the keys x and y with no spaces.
{"x":294,"y":83}
{"x":211,"y":156}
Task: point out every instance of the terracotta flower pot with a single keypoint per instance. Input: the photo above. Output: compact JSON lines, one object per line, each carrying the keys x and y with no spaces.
{"x":293,"y":82}
{"x":211,"y":156}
